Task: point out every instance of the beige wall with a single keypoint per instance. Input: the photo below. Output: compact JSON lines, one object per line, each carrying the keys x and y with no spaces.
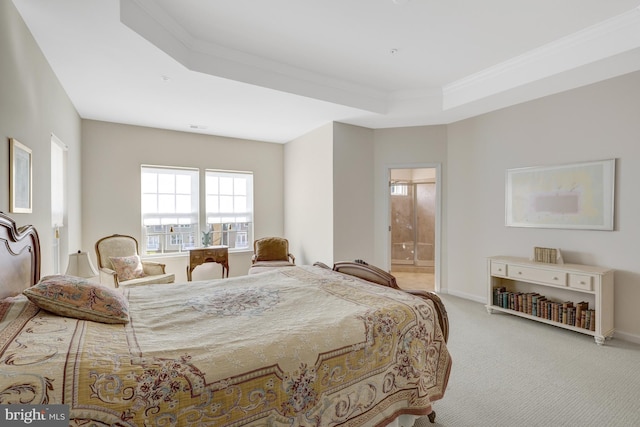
{"x":308,"y":195}
{"x":33,"y":105}
{"x":353,"y":201}
{"x":112,"y":156}
{"x":600,"y":121}
{"x":420,"y":146}
{"x":329,"y":194}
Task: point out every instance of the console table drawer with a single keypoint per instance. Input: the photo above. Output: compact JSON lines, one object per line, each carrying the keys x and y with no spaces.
{"x":556,"y":278}
{"x":581,"y":281}
{"x":213,"y":254}
{"x":499,"y":269}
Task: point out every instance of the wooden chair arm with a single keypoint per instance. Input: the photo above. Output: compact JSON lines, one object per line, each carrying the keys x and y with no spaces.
{"x":108,"y":277}
{"x":152,"y":268}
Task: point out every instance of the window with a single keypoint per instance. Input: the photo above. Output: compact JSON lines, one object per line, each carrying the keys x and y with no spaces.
{"x":399,"y":189}
{"x":58,"y":198}
{"x":229,"y":208}
{"x":169,"y":209}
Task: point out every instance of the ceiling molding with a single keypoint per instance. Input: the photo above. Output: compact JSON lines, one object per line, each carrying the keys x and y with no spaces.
{"x":609,"y":38}
{"x":606,"y":39}
{"x":148,"y":20}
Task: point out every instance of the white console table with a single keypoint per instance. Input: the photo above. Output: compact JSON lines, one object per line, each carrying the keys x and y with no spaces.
{"x":557,"y":282}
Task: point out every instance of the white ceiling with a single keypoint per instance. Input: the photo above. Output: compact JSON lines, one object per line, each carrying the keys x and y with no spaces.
{"x":274,"y":70}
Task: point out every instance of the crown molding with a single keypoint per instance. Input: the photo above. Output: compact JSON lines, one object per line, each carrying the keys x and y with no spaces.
{"x":147,"y":19}
{"x":606,"y":39}
{"x":503,"y":84}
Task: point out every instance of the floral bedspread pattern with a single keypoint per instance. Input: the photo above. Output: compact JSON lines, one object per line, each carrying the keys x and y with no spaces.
{"x":353,"y":354}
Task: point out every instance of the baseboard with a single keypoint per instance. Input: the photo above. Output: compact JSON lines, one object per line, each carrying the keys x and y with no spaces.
{"x":625,"y":336}
{"x":465,"y":295}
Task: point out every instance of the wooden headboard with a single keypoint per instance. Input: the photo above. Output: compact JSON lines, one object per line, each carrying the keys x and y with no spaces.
{"x":19,"y":257}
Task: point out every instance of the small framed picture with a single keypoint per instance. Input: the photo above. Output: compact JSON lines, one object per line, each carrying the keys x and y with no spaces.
{"x":20,"y":180}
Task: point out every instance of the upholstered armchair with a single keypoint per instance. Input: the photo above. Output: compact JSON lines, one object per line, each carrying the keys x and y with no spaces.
{"x":120,"y":265}
{"x":270,"y":252}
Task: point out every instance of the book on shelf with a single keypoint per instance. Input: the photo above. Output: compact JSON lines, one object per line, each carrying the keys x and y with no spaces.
{"x":581,"y":307}
{"x":536,"y":301}
{"x":565,"y":312}
{"x":572,"y":316}
{"x":547,"y":309}
{"x":532,"y":295}
{"x":496,"y":295}
{"x":587,"y":319}
{"x":542,"y":303}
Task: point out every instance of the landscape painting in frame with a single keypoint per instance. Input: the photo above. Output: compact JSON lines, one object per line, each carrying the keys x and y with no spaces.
{"x":572,"y":196}
{"x":20,"y":177}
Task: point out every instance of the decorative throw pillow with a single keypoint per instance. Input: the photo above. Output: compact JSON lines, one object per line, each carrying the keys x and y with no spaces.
{"x":79,"y":298}
{"x":127,"y":267}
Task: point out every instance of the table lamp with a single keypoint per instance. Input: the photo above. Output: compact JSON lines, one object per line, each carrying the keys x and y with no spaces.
{"x":80,"y":265}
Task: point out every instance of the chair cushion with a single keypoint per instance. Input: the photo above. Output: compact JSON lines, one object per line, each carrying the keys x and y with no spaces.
{"x":272,"y":249}
{"x":79,"y":298}
{"x":149,"y":280}
{"x":261,"y":266}
{"x":127,"y":267}
{"x":273,"y":264}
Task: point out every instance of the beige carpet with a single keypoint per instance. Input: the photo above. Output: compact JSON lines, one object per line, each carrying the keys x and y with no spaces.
{"x":513,"y":372}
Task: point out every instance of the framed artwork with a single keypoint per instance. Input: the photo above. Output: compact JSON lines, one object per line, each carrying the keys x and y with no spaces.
{"x":573,"y":196}
{"x":20,"y":181}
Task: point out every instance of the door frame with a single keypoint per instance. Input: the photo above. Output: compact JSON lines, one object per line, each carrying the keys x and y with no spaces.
{"x":438,"y":210}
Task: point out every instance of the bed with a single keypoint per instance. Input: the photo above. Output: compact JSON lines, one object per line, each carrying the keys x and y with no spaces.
{"x":300,"y":346}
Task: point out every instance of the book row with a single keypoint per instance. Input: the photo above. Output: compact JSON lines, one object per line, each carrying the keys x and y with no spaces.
{"x":567,"y":312}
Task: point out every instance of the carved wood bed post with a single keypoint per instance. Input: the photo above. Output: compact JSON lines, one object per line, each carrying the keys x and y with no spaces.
{"x":20,"y":262}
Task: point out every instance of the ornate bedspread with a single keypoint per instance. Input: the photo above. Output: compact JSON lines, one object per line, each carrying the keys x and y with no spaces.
{"x":302,"y":346}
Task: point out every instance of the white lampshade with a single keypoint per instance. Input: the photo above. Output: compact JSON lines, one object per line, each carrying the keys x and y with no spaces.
{"x":80,"y":265}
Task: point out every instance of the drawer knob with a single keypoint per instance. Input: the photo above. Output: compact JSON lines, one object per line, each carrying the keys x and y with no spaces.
{"x":555,"y":278}
{"x":582,"y":282}
{"x":499,"y":269}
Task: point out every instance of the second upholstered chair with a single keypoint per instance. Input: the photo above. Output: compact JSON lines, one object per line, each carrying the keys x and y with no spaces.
{"x":271,"y":252}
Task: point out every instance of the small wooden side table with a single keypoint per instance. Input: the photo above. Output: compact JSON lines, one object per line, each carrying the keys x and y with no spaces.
{"x":218,"y":254}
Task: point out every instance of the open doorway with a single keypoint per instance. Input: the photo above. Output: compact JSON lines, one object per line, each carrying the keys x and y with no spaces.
{"x":413,"y":228}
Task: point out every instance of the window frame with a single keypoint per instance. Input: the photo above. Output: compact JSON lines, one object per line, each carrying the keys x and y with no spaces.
{"x":161,"y":232}
{"x":239,"y":237}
